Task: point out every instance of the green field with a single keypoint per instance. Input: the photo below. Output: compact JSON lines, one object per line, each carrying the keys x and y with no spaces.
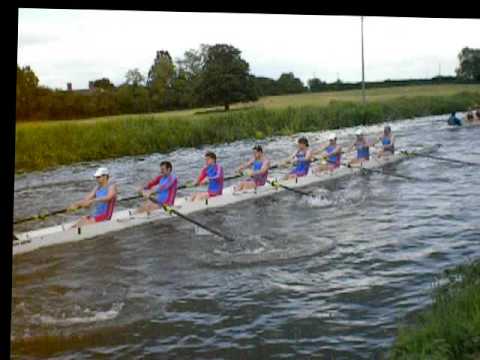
{"x":45,"y":144}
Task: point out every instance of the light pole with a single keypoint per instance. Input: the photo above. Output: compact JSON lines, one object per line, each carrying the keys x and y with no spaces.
{"x":363,"y":68}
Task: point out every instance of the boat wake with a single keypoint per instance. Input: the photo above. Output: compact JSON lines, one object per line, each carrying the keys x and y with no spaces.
{"x":263,"y":249}
{"x":87,"y":316}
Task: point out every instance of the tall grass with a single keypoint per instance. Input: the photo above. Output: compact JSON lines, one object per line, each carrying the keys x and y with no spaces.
{"x":451,"y":328}
{"x":43,"y":145}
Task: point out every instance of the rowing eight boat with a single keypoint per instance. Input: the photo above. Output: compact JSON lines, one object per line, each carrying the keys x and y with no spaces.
{"x":32,"y":240}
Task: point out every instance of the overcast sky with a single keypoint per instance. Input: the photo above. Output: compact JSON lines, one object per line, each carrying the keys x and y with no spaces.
{"x":80,"y":45}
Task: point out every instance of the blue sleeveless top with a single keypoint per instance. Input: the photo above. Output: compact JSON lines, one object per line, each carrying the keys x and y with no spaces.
{"x":102,"y":207}
{"x":333,"y":159}
{"x":386,"y":141}
{"x":363,"y":151}
{"x":302,"y":163}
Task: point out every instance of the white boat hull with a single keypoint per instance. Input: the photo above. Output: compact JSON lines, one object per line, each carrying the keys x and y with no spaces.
{"x":32,"y":240}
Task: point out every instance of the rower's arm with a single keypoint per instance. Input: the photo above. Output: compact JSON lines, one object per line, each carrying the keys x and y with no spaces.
{"x":91,"y":194}
{"x":319,"y":150}
{"x":246,"y":165}
{"x":202,"y":176}
{"x":350,"y":148}
{"x":152,"y":183}
{"x":309,"y":155}
{"x":370,"y":142}
{"x":292,"y":157}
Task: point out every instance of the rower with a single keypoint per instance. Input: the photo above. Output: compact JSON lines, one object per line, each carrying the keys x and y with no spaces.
{"x":103,"y":196}
{"x":363,"y":148}
{"x":165,"y":192}
{"x":258,"y":173}
{"x":454,"y":120}
{"x":302,"y":158}
{"x":470,"y":117}
{"x":331,"y":152}
{"x":212,"y":172}
{"x":388,"y":142}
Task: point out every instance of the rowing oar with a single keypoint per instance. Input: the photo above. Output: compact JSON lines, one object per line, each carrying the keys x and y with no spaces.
{"x":170,"y":210}
{"x":42,"y":216}
{"x":440,"y":158}
{"x":363,"y":169}
{"x":276,"y":184}
{"x":384,"y":173}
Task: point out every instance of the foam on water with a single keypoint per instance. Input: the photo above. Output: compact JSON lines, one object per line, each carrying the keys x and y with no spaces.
{"x":90,"y":317}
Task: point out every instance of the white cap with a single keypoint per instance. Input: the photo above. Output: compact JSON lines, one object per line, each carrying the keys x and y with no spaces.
{"x":101,"y":171}
{"x":359,"y":132}
{"x":332,"y":136}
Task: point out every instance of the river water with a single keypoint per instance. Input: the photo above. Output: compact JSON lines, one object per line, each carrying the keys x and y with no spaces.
{"x":331,"y":277}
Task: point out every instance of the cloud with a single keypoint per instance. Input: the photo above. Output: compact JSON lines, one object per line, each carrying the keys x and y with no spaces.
{"x":80,"y":44}
{"x":28,"y":39}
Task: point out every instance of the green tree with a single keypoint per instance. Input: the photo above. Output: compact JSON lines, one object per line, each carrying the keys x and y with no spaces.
{"x":266,"y":86}
{"x":225,"y":78}
{"x":160,"y":80}
{"x":315,"y":84}
{"x":289,"y":84}
{"x":469,"y":67}
{"x":189,"y":76}
{"x":194,"y":61}
{"x":132,"y":99}
{"x":134,"y":77}
{"x":104,"y":84}
{"x":27,"y":85}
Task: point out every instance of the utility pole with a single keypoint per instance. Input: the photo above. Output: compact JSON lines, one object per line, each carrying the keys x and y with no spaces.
{"x":363,"y":69}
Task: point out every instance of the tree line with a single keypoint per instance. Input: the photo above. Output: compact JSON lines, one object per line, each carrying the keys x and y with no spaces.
{"x":212,"y":75}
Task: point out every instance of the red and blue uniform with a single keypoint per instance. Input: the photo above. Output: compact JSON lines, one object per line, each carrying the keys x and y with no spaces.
{"x":167,"y":189}
{"x":103,"y":210}
{"x":334,"y":159}
{"x":214,"y":173}
{"x":259,"y":179}
{"x":301,"y":169}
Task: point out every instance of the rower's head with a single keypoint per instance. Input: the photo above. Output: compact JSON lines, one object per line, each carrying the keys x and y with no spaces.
{"x":470,"y":116}
{"x":165,"y":168}
{"x":387,"y":130}
{"x":102,"y":175}
{"x":303,"y":143}
{"x":359,"y":134}
{"x":332,"y":138}
{"x":210,"y":158}
{"x":257,"y":151}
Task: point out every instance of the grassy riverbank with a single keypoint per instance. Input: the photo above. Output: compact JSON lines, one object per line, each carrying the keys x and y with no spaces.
{"x":451,"y":328}
{"x":41,"y":145}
